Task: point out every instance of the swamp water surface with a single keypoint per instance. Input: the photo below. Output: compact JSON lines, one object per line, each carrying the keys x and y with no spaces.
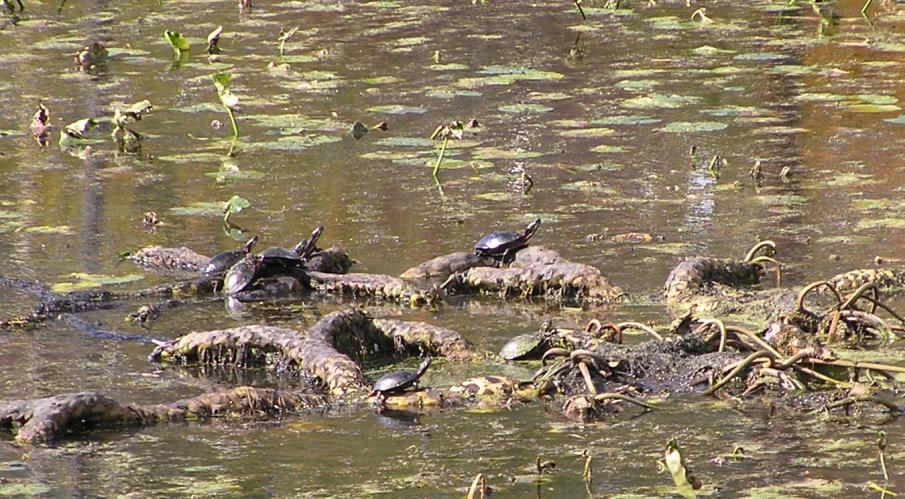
{"x":601,"y":113}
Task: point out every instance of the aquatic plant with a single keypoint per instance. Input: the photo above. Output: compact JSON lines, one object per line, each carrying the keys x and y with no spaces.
{"x":123,"y":115}
{"x":178,"y":42}
{"x":213,"y":39}
{"x":234,"y":205}
{"x":229,"y":101}
{"x":284,"y":36}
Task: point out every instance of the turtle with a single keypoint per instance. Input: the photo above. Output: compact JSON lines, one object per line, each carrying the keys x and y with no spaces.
{"x":522,"y":346}
{"x":305,"y":248}
{"x":222,"y":262}
{"x":399,"y":381}
{"x":240,"y":275}
{"x":504,"y":244}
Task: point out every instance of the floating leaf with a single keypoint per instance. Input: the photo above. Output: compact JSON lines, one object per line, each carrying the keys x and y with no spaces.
{"x":697,"y":126}
{"x":397,"y":109}
{"x":629,"y":119}
{"x":660,"y":101}
{"x":525,"y":108}
{"x":200,"y":208}
{"x":604,"y":148}
{"x":86,"y":281}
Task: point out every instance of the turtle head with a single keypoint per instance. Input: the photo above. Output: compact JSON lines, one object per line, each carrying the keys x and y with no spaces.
{"x":316,"y":234}
{"x":250,"y":244}
{"x":422,"y":368}
{"x":532,"y":228}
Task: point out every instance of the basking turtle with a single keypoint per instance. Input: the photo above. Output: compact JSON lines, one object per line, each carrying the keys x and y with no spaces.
{"x":222,"y":262}
{"x":241,"y":274}
{"x":292,"y":257}
{"x":399,"y":381}
{"x":504,"y":244}
{"x":522,"y":346}
{"x":305,"y":248}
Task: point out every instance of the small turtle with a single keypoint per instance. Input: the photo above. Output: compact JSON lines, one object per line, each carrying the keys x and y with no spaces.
{"x":282,"y":257}
{"x":504,"y":244}
{"x":305,"y":248}
{"x":399,"y":381}
{"x":241,"y":274}
{"x":222,"y":262}
{"x":522,"y":346}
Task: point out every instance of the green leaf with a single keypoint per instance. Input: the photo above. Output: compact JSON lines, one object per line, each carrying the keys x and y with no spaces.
{"x":233,"y":206}
{"x":221,"y":81}
{"x":85,"y":281}
{"x":177,"y":41}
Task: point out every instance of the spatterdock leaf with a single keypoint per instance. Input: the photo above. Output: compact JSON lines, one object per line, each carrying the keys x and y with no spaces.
{"x":177,"y":41}
{"x":234,"y":205}
{"x":221,"y":81}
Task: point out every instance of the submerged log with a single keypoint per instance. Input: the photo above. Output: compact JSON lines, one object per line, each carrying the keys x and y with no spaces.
{"x":539,"y":272}
{"x":44,"y":420}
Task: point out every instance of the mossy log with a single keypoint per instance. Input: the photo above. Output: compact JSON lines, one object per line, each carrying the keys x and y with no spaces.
{"x":538,"y":272}
{"x":183,"y":260}
{"x":885,"y":279}
{"x":47,"y":419}
{"x":441,"y":267}
{"x":370,"y":285}
{"x":330,"y":350}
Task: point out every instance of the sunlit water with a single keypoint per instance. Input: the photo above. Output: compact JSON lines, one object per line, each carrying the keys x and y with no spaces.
{"x":603,"y":123}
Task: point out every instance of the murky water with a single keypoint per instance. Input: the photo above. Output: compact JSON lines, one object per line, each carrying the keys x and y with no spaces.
{"x":602,"y":122}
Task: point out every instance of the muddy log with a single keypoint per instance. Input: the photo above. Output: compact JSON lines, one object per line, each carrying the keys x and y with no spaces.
{"x":326,"y":351}
{"x":183,"y":260}
{"x":696,"y":276}
{"x":539,"y":272}
{"x":440,"y":268}
{"x":885,"y":279}
{"x":165,"y":260}
{"x":481,"y":391}
{"x":370,"y":285}
{"x":420,"y":337}
{"x":44,"y":420}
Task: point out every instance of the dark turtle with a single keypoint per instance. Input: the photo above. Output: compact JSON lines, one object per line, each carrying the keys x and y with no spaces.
{"x":222,"y":262}
{"x":504,"y":244}
{"x":522,"y":346}
{"x":292,"y":257}
{"x":399,"y":381}
{"x":241,"y":274}
{"x":305,"y":248}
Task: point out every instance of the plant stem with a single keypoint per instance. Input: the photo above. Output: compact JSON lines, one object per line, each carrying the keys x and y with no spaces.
{"x":440,"y":159}
{"x":232,"y":120}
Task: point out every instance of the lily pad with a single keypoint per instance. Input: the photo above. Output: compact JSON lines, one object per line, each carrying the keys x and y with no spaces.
{"x":596,"y":187}
{"x":609,"y":149}
{"x":626,"y":119}
{"x":697,"y":126}
{"x":86,"y":281}
{"x":397,"y":109}
{"x":660,"y":101}
{"x":525,"y":108}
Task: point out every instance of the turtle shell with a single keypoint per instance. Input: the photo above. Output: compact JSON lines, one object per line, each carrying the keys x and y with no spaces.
{"x":498,"y":242}
{"x":241,"y":274}
{"x":222,"y":262}
{"x":400,"y":380}
{"x":279,"y":256}
{"x":521,"y":346}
